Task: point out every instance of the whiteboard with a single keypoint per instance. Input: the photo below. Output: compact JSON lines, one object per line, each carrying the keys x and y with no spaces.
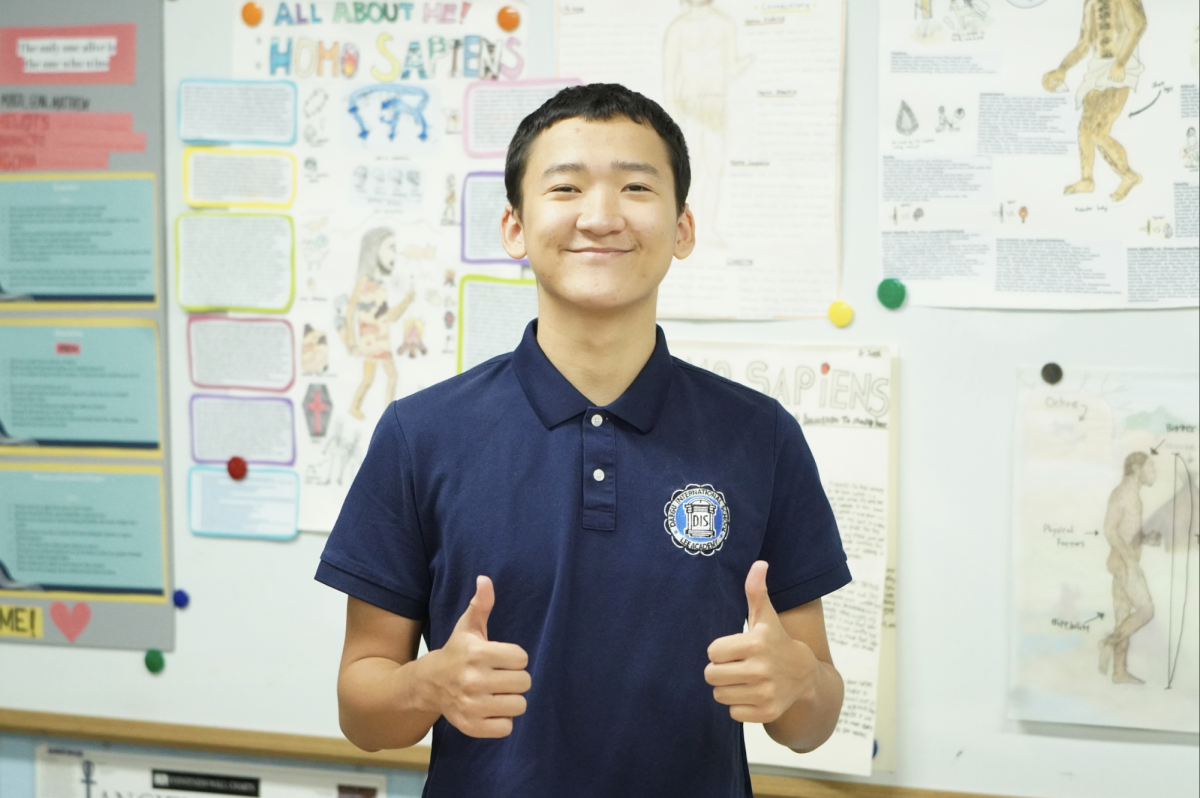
{"x":258,"y":648}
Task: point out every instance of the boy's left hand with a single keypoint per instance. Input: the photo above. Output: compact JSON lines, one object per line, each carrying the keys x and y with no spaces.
{"x":761,"y":672}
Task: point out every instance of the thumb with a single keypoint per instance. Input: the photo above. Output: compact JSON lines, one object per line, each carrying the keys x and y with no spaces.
{"x":759,"y":603}
{"x":475,"y":619}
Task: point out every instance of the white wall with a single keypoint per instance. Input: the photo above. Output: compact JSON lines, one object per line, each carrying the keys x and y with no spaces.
{"x":255,"y":659}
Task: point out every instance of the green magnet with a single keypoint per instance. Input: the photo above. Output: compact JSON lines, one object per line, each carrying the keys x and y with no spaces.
{"x":891,"y":293}
{"x":155,"y":661}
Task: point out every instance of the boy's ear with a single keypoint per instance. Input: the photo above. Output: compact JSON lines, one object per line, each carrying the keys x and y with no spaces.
{"x":512,"y":233}
{"x":685,"y":233}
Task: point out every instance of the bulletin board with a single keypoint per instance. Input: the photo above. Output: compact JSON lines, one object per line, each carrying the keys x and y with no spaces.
{"x":258,"y":648}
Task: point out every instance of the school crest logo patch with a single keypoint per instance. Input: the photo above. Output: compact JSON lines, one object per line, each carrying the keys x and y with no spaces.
{"x":697,"y":519}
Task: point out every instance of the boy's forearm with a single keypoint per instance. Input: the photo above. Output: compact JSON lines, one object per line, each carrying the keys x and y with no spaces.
{"x":808,"y":723}
{"x":380,"y":706}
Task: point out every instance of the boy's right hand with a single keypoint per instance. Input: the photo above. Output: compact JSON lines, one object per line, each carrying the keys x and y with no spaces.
{"x":477,"y":684}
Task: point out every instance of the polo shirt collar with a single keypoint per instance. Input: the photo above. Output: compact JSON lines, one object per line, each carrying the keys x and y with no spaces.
{"x":555,"y":400}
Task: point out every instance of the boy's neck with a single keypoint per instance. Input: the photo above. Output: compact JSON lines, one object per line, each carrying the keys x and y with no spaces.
{"x":600,"y":354}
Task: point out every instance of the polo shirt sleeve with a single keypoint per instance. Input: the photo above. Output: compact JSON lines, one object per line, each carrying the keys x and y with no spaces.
{"x":801,"y":545}
{"x":376,"y":552}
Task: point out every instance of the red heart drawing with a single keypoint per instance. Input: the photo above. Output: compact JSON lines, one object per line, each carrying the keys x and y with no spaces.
{"x":70,"y":622}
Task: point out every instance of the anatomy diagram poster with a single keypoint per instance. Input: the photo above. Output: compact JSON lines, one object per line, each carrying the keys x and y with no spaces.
{"x":756,"y":89}
{"x":1105,"y":520}
{"x":340,"y":186}
{"x":1040,"y":154}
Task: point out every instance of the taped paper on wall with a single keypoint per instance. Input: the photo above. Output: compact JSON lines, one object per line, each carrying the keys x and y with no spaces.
{"x":483,"y":202}
{"x":756,"y":91}
{"x":218,"y":178}
{"x":87,"y":384}
{"x":235,"y":262}
{"x":386,"y":114}
{"x":241,"y":111}
{"x":69,"y":54}
{"x":492,"y":111}
{"x":1062,"y":178}
{"x":65,"y":140}
{"x":82,"y":530}
{"x":79,"y":238}
{"x":81,"y":773}
{"x":1105,"y":513}
{"x":250,"y":354}
{"x":258,"y":430}
{"x":263,"y":504}
{"x":492,"y":316}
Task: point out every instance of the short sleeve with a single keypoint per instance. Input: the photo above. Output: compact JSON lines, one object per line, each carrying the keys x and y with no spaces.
{"x":375,"y":552}
{"x":801,"y":545}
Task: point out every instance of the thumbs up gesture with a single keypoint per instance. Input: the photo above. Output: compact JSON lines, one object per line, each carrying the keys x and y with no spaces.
{"x":761,"y":672}
{"x":476,"y":683}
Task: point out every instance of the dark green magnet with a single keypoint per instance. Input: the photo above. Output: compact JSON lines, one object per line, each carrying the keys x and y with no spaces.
{"x":891,"y":293}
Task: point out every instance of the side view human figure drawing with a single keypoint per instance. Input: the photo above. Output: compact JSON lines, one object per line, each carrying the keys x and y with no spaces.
{"x":1110,"y":31}
{"x":369,"y":317}
{"x":1133,"y":607}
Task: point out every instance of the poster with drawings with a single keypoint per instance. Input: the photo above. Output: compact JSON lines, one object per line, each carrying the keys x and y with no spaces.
{"x":382,"y":114}
{"x":1040,"y":154}
{"x":1107,"y":589}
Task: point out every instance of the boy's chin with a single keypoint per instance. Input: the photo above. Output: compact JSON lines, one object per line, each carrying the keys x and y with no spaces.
{"x":600,"y":300}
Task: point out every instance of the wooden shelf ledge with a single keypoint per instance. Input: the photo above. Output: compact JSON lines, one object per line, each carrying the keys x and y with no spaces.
{"x":341,"y":751}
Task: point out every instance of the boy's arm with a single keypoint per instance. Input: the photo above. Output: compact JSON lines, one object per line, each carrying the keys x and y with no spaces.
{"x":779,"y":672}
{"x":812,"y":718}
{"x":377,"y":704}
{"x":388,"y":698}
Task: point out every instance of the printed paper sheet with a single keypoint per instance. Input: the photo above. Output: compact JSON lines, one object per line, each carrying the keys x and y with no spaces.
{"x":1040,"y":155}
{"x":83,"y":556}
{"x":756,"y":89}
{"x":68,"y":772}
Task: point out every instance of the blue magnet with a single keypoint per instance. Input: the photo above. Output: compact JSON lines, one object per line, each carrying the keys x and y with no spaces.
{"x":181,"y":599}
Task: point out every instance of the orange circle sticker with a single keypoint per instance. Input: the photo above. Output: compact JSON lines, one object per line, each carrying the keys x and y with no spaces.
{"x":252,"y":14}
{"x":508,"y":18}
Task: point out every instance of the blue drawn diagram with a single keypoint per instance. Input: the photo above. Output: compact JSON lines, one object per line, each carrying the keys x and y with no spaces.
{"x":394,"y":101}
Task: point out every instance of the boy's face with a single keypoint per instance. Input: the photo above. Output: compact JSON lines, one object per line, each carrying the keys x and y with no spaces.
{"x":598,"y":221}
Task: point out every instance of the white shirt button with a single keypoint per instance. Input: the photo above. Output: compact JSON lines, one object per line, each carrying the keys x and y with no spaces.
{"x":597,"y":420}
{"x":598,"y":475}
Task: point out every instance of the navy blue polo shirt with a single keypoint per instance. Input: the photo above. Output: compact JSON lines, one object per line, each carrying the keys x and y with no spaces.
{"x":618,"y":539}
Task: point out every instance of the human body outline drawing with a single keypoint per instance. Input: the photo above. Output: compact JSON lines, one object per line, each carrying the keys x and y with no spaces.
{"x":700,"y":61}
{"x":1133,"y":606}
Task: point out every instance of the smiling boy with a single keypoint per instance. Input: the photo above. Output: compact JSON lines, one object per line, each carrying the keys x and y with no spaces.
{"x":580,"y":528}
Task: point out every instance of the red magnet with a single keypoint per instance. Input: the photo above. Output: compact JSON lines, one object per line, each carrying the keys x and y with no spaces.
{"x":236,"y":467}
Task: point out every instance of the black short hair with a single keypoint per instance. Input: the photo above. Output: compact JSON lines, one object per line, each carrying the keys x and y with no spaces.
{"x":597,"y":101}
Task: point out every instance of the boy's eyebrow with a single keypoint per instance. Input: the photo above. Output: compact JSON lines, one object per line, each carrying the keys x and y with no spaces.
{"x":634,"y":166}
{"x":618,"y":166}
{"x":564,"y":168}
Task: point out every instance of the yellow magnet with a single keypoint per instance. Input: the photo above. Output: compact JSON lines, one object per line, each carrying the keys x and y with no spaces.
{"x":840,"y":313}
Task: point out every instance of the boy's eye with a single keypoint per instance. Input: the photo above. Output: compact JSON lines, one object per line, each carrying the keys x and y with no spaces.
{"x":637,"y":187}
{"x":563,"y":188}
